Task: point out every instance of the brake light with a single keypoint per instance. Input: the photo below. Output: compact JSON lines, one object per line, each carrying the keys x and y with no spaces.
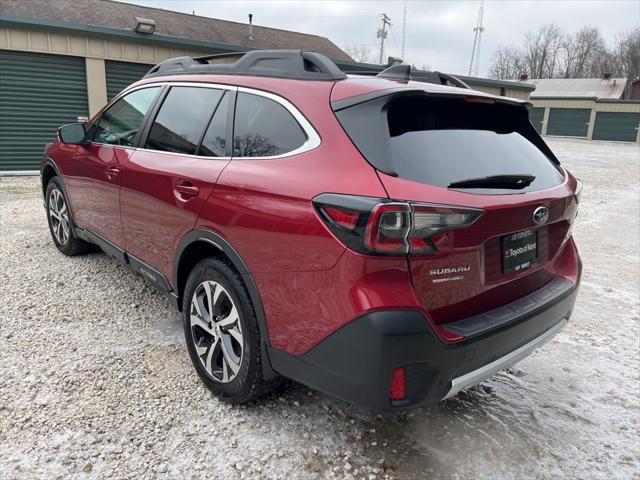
{"x":388,"y":228}
{"x":382,"y":227}
{"x":479,"y":100}
{"x":398,"y":390}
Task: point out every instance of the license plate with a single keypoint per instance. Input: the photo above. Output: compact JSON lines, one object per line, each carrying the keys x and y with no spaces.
{"x":519,"y":250}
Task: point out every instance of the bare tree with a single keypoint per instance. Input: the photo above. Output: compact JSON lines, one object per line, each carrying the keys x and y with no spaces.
{"x":360,"y":53}
{"x":541,"y":51}
{"x":582,"y":53}
{"x":549,"y":53}
{"x":506,"y":63}
{"x":628,"y":54}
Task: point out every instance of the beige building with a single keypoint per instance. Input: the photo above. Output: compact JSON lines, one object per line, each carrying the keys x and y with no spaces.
{"x":62,"y":60}
{"x":591,"y":108}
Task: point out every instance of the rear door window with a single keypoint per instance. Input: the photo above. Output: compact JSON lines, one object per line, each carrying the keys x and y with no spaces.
{"x":182,"y":119}
{"x":264,"y":128}
{"x":443,"y":141}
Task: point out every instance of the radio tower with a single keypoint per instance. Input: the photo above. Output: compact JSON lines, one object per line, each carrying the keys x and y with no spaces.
{"x":404,"y":27}
{"x":474,"y":66}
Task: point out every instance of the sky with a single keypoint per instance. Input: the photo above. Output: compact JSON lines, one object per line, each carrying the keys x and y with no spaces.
{"x":439,"y":33}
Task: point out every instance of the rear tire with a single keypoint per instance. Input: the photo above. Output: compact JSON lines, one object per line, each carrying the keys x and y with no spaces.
{"x":222,"y":333}
{"x":60,"y":221}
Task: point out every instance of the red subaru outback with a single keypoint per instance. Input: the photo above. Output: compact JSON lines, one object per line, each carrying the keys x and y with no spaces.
{"x":384,"y":240}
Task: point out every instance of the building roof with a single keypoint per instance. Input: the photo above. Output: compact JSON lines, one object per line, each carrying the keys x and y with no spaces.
{"x":112,"y":14}
{"x":592,"y":88}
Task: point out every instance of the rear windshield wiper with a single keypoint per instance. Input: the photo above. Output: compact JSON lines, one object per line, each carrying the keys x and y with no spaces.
{"x":513,"y":182}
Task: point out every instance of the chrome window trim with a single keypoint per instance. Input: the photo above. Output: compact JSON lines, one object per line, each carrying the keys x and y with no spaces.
{"x":189,"y":155}
{"x":313,"y":138}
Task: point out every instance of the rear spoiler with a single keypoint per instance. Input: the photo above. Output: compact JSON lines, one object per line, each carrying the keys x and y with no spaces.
{"x":338,"y":105}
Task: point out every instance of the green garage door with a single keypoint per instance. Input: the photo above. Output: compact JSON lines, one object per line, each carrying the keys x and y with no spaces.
{"x":38,"y":93}
{"x":122,"y":74}
{"x":536,"y":115}
{"x":569,"y":122}
{"x":622,"y":127}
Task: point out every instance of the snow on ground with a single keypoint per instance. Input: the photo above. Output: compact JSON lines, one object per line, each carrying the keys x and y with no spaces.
{"x":95,"y":381}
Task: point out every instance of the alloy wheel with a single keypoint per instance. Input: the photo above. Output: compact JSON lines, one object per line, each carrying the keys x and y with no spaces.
{"x":59,"y":215}
{"x":216,"y":331}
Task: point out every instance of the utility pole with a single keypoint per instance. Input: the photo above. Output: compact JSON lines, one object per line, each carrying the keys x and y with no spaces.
{"x":404,"y":27}
{"x":474,"y":65}
{"x":382,"y":34}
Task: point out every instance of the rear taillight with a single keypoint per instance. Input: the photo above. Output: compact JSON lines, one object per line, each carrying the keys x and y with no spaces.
{"x":382,"y":227}
{"x":578,"y":193}
{"x":388,"y":227}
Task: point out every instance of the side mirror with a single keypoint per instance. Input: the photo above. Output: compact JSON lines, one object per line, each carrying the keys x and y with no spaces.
{"x":73,"y":134}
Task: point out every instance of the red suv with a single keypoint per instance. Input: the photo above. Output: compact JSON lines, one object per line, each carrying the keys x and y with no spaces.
{"x":385,"y":240}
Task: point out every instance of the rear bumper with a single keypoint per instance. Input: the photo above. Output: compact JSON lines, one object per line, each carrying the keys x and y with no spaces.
{"x":356,"y":362}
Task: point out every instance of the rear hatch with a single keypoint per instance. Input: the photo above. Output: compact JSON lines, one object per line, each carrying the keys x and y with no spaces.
{"x":474,"y":167}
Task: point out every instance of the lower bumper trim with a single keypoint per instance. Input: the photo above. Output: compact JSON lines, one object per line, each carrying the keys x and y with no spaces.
{"x":480,"y":374}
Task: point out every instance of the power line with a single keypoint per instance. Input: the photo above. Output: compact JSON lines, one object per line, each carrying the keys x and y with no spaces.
{"x":382,"y":33}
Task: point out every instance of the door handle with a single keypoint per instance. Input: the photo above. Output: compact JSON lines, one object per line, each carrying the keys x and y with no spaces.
{"x":112,"y":172}
{"x":186,"y":189}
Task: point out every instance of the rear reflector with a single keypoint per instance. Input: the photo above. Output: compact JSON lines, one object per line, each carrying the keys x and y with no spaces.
{"x":398,"y":389}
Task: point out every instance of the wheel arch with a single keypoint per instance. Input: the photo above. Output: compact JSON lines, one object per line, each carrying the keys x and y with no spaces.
{"x":49,"y":170}
{"x":199,"y":244}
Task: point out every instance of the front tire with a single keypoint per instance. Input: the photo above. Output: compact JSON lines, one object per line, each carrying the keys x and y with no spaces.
{"x":222,"y":334}
{"x":61,"y":222}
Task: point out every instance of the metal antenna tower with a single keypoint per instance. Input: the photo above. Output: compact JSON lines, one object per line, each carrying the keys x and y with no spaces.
{"x":474,"y":65}
{"x":382,"y":34}
{"x":404,"y":27}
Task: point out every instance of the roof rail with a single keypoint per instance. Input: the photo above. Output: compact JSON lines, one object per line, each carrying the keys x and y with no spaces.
{"x":404,"y":72}
{"x":293,"y":64}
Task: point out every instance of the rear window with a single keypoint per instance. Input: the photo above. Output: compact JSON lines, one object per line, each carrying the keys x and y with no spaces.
{"x":443,"y":141}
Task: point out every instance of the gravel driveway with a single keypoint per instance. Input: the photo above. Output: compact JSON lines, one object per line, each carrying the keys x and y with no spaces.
{"x":95,"y":381}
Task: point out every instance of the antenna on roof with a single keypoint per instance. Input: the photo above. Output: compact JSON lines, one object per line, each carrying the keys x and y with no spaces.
{"x":474,"y":65}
